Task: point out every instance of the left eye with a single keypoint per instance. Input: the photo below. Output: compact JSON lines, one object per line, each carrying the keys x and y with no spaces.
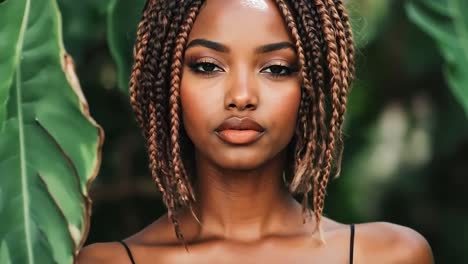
{"x":206,"y":67}
{"x":278,"y":70}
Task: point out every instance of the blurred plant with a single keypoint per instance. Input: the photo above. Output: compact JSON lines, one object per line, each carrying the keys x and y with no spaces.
{"x":121,"y":34}
{"x":49,"y":144}
{"x":367,"y":19}
{"x":446,"y":22}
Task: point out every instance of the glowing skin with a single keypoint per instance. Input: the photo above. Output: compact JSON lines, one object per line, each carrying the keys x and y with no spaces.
{"x":257,"y":4}
{"x":225,"y":77}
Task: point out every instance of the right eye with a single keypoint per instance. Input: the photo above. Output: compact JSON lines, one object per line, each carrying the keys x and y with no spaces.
{"x":206,"y":68}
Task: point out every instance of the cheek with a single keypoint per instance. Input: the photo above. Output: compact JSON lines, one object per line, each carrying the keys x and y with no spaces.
{"x":190,"y":106}
{"x":284,"y":111}
{"x":198,"y":106}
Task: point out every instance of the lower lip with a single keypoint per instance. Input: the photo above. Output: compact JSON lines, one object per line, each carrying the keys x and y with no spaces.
{"x":239,"y":137}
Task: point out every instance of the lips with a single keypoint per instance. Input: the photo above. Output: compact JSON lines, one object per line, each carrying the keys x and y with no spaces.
{"x":239,"y":131}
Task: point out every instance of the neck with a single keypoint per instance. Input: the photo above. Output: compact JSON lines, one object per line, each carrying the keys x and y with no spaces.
{"x":242,"y":205}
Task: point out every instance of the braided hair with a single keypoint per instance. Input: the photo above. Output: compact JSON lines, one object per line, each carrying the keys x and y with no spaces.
{"x":324,"y":44}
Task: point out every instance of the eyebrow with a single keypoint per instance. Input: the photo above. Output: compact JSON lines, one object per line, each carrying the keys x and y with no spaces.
{"x":222,"y":48}
{"x":208,"y":44}
{"x":275,"y":46}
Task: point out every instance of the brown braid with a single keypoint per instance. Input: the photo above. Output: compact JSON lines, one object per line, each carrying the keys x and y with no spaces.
{"x":324,"y":44}
{"x":342,"y":41}
{"x":141,"y":87}
{"x":350,"y":53}
{"x":321,"y":75}
{"x":309,"y":31}
{"x":183,"y":184}
{"x":335,"y":85}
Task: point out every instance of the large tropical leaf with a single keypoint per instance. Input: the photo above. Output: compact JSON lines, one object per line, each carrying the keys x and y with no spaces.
{"x":447,"y":23}
{"x":122,"y":23}
{"x":49,"y":145}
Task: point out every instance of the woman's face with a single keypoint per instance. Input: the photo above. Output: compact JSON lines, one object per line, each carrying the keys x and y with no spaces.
{"x":240,"y":90}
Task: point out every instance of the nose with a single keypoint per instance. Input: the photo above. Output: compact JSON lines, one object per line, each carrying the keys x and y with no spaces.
{"x":242,"y":92}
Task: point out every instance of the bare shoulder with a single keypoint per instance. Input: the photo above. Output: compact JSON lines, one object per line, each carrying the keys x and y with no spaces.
{"x":141,"y":245}
{"x":103,"y":253}
{"x":382,"y":242}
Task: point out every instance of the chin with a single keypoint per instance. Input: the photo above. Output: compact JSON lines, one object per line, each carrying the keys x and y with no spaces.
{"x":240,"y":160}
{"x":240,"y":164}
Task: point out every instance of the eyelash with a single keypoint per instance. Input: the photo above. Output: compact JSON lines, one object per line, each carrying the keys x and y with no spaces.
{"x":195,"y":67}
{"x":288,"y":71}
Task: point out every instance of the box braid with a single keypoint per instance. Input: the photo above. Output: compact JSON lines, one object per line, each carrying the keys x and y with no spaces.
{"x":320,"y":16}
{"x":310,"y":31}
{"x":324,"y":44}
{"x":150,"y":87}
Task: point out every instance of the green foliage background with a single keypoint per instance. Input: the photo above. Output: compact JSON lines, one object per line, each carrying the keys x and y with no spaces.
{"x":406,"y":132}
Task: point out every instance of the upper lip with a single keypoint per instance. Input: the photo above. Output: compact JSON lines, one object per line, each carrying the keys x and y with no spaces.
{"x":240,"y":123}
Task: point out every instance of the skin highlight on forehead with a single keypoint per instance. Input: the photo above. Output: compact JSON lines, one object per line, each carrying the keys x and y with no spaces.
{"x":261,"y":24}
{"x":257,"y":4}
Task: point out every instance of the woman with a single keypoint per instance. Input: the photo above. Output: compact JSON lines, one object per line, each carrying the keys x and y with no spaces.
{"x":242,"y":104}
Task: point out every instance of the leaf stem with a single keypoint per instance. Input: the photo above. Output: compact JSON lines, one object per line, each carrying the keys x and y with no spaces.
{"x":24,"y":178}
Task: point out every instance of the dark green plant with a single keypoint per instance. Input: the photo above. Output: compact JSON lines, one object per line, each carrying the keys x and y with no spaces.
{"x":49,"y":144}
{"x":446,"y":22}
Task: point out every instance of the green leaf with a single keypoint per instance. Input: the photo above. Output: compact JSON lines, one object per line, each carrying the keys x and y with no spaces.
{"x":122,"y":21}
{"x":446,"y":22}
{"x":8,"y":59}
{"x":50,"y":147}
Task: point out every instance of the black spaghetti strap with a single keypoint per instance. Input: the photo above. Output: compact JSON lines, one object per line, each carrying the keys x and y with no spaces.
{"x":351,"y":245}
{"x":129,"y":253}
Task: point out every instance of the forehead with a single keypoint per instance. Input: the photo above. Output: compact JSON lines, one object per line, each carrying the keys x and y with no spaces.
{"x":240,"y":21}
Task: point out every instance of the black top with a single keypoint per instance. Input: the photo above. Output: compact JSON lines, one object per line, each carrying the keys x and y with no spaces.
{"x":351,"y":247}
{"x":128,"y":251}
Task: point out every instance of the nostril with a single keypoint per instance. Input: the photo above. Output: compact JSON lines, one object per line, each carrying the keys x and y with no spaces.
{"x":241,"y":106}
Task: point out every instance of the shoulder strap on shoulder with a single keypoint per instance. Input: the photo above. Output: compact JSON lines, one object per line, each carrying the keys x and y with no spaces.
{"x":351,"y":244}
{"x":129,"y":253}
